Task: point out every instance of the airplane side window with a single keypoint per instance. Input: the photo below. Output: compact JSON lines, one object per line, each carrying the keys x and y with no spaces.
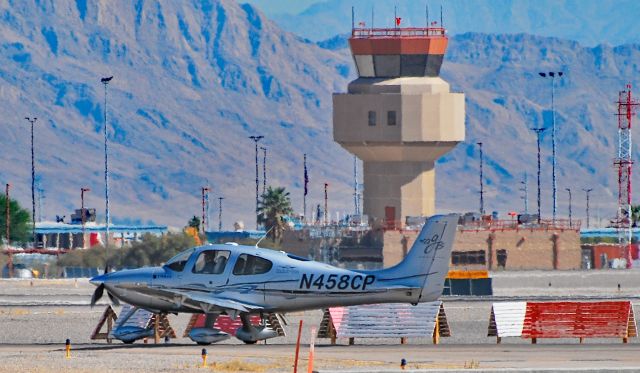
{"x":211,"y":262}
{"x":251,"y":265}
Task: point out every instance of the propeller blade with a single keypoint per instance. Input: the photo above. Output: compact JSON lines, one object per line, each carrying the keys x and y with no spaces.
{"x":114,"y":300}
{"x":97,"y":294}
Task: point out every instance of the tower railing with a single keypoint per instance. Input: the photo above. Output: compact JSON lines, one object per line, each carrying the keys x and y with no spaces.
{"x":405,"y":32}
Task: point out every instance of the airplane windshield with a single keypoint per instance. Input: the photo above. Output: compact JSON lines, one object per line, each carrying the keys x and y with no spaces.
{"x":178,"y":262}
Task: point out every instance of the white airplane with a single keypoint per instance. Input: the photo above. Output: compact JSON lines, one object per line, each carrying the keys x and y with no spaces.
{"x":244,"y":280}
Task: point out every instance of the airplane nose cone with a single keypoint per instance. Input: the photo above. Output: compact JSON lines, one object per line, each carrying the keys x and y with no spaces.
{"x":98,"y":280}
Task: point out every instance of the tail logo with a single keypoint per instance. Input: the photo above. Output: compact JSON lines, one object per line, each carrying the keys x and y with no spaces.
{"x":434,"y":243}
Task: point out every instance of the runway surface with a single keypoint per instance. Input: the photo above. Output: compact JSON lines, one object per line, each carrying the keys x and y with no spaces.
{"x":278,"y":358}
{"x":37,"y":316}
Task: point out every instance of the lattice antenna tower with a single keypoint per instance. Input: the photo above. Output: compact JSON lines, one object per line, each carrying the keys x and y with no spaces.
{"x":624,"y":162}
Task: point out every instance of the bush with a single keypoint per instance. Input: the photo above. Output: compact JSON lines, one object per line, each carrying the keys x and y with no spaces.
{"x":151,"y":250}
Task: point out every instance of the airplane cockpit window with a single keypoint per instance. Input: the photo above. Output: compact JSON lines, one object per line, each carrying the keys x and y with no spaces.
{"x":178,"y":262}
{"x":211,"y":262}
{"x":251,"y":265}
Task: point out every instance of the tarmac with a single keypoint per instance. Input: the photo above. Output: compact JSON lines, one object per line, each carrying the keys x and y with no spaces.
{"x":37,"y":316}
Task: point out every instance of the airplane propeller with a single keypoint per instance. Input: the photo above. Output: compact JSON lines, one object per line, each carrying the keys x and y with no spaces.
{"x":99,"y":292}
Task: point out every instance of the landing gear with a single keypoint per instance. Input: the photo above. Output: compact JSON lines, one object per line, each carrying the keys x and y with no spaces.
{"x":250,"y":333}
{"x":208,"y":334}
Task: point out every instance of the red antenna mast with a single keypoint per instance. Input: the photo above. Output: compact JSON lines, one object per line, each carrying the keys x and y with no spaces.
{"x":624,"y":162}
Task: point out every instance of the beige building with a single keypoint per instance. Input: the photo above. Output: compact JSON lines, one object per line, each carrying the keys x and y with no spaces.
{"x":503,"y":249}
{"x":398,"y":117}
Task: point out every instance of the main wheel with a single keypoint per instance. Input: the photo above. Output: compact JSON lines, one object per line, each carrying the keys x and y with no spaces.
{"x":203,"y":343}
{"x":128,"y":341}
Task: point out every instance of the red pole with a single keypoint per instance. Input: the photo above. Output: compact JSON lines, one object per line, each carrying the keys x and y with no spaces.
{"x":8,"y":229}
{"x":295,"y":361}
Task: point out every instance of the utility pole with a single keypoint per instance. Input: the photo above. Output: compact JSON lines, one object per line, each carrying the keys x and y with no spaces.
{"x":205,"y":202}
{"x":33,"y":182}
{"x":587,"y":191}
{"x":481,"y":181}
{"x":552,"y":75}
{"x":256,"y":139}
{"x":570,"y":221}
{"x":326,"y":204}
{"x":8,"y":229}
{"x":220,"y":213}
{"x":82,"y":192}
{"x":264,"y":169}
{"x":538,"y":132}
{"x":105,"y":82}
{"x":525,"y":189}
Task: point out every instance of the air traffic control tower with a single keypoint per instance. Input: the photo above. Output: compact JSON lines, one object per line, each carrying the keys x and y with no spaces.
{"x":398,"y":117}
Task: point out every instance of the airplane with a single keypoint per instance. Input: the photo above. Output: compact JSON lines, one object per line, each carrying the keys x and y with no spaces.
{"x":247,"y":280}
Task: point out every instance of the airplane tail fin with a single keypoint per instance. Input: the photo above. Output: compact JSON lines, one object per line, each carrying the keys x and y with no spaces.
{"x":429,"y":257}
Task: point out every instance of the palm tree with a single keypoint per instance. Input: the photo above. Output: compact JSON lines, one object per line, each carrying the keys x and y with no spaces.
{"x":274,"y":205}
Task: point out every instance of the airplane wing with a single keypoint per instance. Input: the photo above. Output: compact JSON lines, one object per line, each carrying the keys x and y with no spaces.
{"x":198,"y":299}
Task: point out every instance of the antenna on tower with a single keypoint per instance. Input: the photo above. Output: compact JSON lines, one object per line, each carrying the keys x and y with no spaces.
{"x":353,"y":16}
{"x":372,"y":14}
{"x":441,"y":22}
{"x":395,"y":16}
{"x":426,"y":11}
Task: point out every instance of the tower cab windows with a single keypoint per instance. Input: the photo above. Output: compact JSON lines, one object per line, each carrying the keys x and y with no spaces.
{"x":251,"y":265}
{"x":211,"y":262}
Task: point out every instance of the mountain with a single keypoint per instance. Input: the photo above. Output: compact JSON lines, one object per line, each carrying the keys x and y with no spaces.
{"x":506,"y":98}
{"x":194,"y":79}
{"x":590,"y":22}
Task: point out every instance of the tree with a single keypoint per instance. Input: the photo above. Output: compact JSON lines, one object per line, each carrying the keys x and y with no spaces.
{"x":151,"y":250}
{"x":273,"y":206}
{"x":635,"y":215}
{"x":194,"y":223}
{"x":20,"y":227}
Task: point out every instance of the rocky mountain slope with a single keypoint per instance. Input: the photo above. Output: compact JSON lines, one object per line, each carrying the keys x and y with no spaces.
{"x":194,"y":79}
{"x":590,"y":22}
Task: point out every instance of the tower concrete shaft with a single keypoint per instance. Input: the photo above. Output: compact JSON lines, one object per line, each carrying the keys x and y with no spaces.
{"x":398,"y":117}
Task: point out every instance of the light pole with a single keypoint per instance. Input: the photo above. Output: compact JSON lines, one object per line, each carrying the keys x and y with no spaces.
{"x":256,"y":139}
{"x":570,"y":221}
{"x":220,"y":213}
{"x":538,"y":132}
{"x":525,"y":189}
{"x":264,"y":169}
{"x":326,"y":204}
{"x":587,"y":191}
{"x":8,"y":229}
{"x":32,"y":121}
{"x":205,"y":201}
{"x":82,"y":192}
{"x":552,"y":75}
{"x":306,"y":190}
{"x":105,"y":82}
{"x":481,"y":181}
